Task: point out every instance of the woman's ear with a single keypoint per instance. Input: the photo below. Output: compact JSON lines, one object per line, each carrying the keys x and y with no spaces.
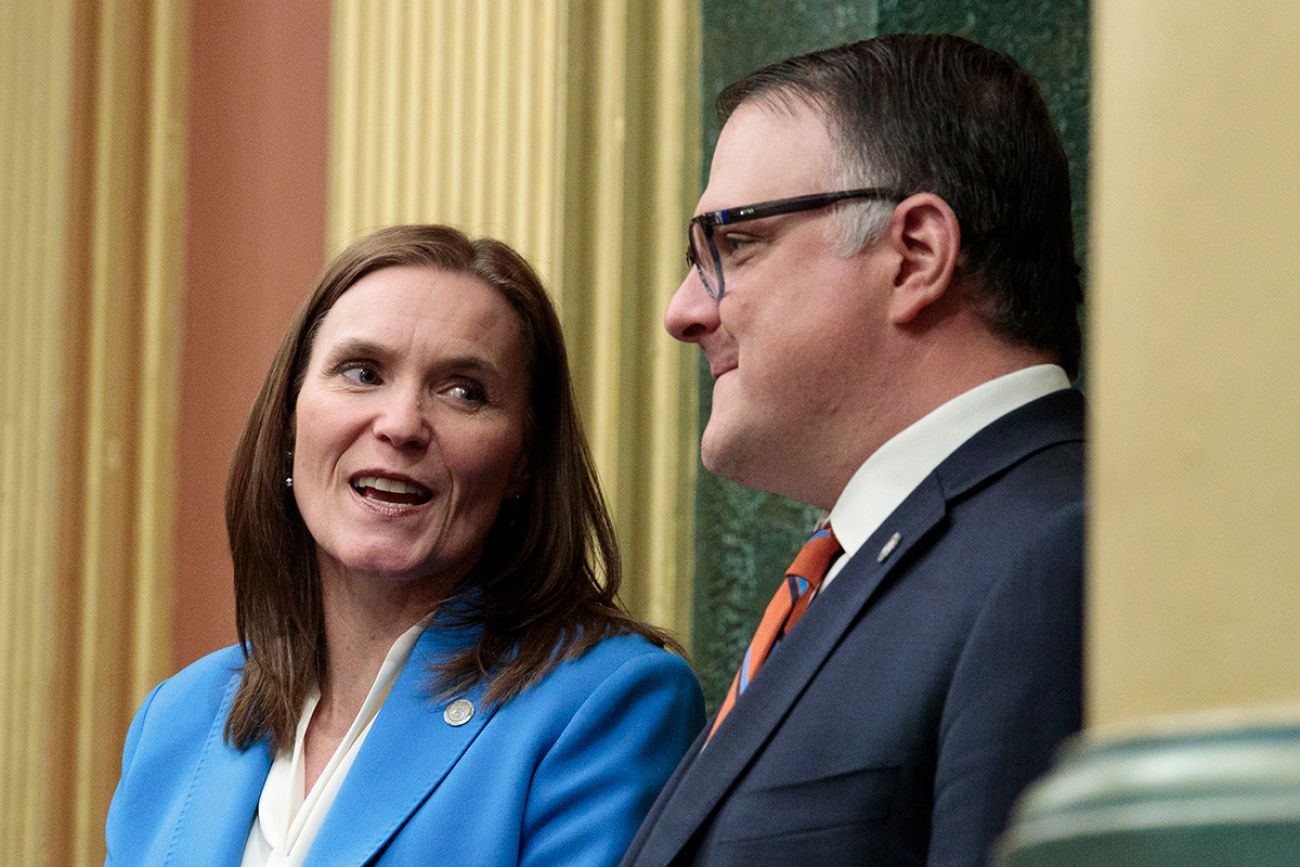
{"x":924,"y":234}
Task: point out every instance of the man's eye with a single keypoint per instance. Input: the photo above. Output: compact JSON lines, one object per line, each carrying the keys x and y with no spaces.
{"x":360,"y":374}
{"x":731,"y":246}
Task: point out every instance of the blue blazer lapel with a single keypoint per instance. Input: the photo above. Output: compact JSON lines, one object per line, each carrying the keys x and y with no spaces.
{"x":214,"y":825}
{"x":408,"y":752}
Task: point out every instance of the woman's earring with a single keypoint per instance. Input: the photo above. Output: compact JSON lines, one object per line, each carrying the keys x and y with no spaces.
{"x":513,"y":508}
{"x":288,"y":480}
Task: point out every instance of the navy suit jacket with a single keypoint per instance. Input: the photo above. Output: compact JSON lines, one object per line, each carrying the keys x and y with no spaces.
{"x":562,"y":774}
{"x":922,"y":690}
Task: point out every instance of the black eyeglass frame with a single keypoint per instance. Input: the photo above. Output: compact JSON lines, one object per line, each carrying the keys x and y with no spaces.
{"x":710,"y":220}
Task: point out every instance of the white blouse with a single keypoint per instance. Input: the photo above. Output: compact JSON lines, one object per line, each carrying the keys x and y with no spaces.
{"x":288,"y":819}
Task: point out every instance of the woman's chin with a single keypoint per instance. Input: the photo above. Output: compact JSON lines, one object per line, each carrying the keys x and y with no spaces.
{"x":387,"y":569}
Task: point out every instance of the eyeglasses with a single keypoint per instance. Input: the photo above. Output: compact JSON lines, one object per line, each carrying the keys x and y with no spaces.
{"x":700,"y":236}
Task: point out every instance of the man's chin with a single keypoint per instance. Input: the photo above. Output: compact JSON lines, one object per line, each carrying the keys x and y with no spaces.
{"x":723,"y":453}
{"x":750,"y":462}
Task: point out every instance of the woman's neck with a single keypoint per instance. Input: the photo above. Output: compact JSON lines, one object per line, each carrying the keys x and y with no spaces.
{"x":364,"y":615}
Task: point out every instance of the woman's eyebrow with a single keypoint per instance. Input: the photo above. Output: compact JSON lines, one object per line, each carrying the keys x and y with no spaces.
{"x":366,"y":348}
{"x":358,"y":346}
{"x":469,"y":364}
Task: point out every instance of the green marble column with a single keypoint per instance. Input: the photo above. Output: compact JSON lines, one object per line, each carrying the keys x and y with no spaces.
{"x":1202,"y":790}
{"x":744,"y":540}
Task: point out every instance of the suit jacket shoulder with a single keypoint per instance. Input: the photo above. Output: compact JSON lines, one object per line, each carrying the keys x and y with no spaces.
{"x":929,"y":683}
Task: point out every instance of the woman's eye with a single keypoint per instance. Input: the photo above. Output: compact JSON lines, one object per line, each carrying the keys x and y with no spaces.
{"x":360,"y":374}
{"x":469,"y":392}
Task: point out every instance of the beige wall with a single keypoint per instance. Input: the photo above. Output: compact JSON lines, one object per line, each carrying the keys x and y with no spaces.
{"x":1195,"y":325}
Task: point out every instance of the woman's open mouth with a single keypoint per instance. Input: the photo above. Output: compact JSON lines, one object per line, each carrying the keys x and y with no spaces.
{"x":395,"y":491}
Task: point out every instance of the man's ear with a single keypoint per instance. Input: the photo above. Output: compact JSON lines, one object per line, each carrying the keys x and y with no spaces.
{"x":925,"y":237}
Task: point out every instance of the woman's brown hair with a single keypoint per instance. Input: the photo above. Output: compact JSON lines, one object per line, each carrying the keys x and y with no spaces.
{"x":545,"y":589}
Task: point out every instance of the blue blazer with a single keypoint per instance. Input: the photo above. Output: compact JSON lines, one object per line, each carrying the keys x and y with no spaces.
{"x":919,"y":694}
{"x":562,"y":774}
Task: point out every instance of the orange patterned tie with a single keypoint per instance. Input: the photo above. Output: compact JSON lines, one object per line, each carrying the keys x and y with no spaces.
{"x":790,"y":602}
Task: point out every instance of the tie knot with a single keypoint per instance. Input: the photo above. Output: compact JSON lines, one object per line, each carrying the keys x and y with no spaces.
{"x":815,"y":557}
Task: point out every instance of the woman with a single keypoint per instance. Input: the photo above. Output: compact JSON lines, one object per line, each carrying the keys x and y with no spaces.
{"x":432,"y":666}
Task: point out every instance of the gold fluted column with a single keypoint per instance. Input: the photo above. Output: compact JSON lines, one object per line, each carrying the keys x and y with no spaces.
{"x":1194,"y":556}
{"x":568,"y":128}
{"x":91,"y":107}
{"x":35,"y":51}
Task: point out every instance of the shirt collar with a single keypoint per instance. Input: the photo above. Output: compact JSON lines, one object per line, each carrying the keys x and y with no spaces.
{"x":891,"y":473}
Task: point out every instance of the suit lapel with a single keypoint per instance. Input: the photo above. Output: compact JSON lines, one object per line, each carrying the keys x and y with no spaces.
{"x":214,"y":826}
{"x":785,"y":675}
{"x":408,"y":752}
{"x":707,"y":775}
{"x":1048,"y":421}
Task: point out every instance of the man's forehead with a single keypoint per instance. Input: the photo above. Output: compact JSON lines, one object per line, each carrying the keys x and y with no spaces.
{"x":769,"y":150}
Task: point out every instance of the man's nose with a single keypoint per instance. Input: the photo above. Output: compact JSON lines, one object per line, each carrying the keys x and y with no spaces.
{"x":691,"y":313}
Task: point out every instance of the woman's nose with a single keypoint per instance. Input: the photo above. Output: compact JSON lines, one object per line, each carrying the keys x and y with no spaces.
{"x":403,"y":420}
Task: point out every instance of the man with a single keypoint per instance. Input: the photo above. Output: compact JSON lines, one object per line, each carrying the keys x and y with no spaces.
{"x":898,"y":354}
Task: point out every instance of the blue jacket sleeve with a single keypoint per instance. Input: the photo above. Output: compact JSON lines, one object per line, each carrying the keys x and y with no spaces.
{"x":113,"y":829}
{"x":597,"y":782}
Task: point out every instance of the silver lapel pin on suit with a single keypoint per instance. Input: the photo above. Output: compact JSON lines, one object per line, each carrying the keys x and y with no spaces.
{"x":458,"y":712}
{"x":889,"y":547}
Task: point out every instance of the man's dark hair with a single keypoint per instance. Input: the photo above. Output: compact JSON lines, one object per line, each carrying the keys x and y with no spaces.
{"x":941,"y":114}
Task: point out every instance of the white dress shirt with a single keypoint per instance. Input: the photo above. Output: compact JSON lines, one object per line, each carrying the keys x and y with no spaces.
{"x":288,"y":818}
{"x":895,"y":469}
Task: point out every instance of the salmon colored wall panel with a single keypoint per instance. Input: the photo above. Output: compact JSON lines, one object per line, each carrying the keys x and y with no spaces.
{"x":258,"y":134}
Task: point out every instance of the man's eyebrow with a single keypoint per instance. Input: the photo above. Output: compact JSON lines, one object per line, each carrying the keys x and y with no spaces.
{"x":751,"y":225}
